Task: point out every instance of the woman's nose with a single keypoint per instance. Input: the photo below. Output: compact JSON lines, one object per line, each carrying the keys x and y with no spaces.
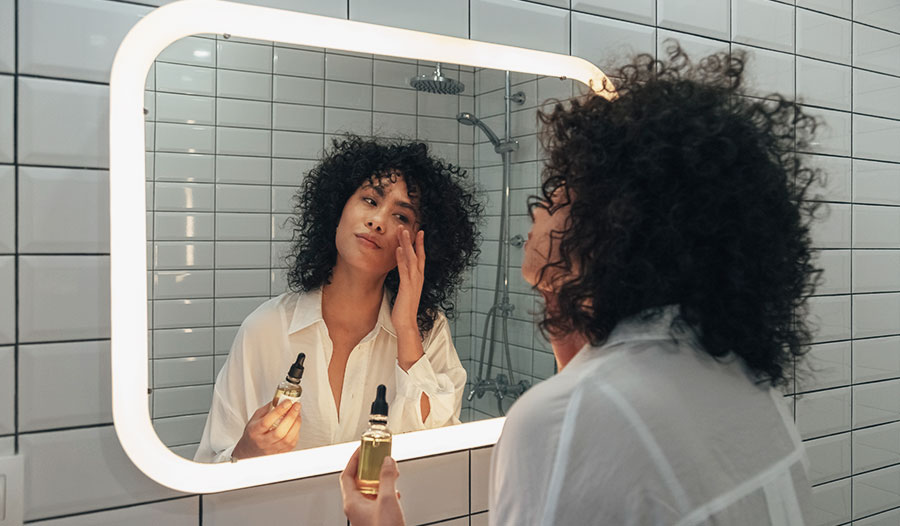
{"x":375,"y":223}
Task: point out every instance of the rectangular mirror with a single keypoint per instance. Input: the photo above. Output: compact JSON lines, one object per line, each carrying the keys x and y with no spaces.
{"x":229,"y":125}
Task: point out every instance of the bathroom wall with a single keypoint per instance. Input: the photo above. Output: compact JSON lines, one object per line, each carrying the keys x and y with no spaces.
{"x":841,"y":57}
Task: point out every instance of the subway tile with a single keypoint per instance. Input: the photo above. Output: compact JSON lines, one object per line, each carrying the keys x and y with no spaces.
{"x":829,"y":458}
{"x":242,"y":227}
{"x":181,"y":284}
{"x":348,"y":69}
{"x":832,"y":226}
{"x":314,"y":500}
{"x":72,"y":39}
{"x":283,"y":199}
{"x":348,"y":121}
{"x":179,"y":372}
{"x":177,"y":343}
{"x":190,"y":80}
{"x":876,"y":226}
{"x":831,"y":503}
{"x":435,"y":105}
{"x":888,"y":518}
{"x":524,"y":25}
{"x":768,"y":72}
{"x":876,"y":359}
{"x":299,"y":62}
{"x":393,"y":74}
{"x":876,"y":94}
{"x":296,"y":117}
{"x":7,"y":209}
{"x":7,"y":392}
{"x":224,"y":337}
{"x":824,"y":37}
{"x":184,"y":167}
{"x":704,"y":17}
{"x":829,"y":364}
{"x":876,"y":49}
{"x":63,"y":297}
{"x":876,"y":403}
{"x":6,"y":125}
{"x":81,"y":470}
{"x":394,"y":125}
{"x":313,"y":7}
{"x":177,"y":401}
{"x":63,"y":210}
{"x":245,"y":170}
{"x":180,"y":430}
{"x":881,"y":13}
{"x":243,"y":141}
{"x":242,"y":254}
{"x":823,"y":412}
{"x":763,"y":23}
{"x":876,"y":491}
{"x":7,"y":299}
{"x":833,"y":134}
{"x":876,"y":315}
{"x":437,"y":129}
{"x":841,"y":8}
{"x":168,"y":255}
{"x":418,"y":485}
{"x":184,"y":197}
{"x":185,"y":138}
{"x":7,"y":36}
{"x":876,"y":271}
{"x":605,"y":42}
{"x":175,"y":512}
{"x":242,"y":283}
{"x":297,"y":90}
{"x":63,"y":123}
{"x":190,"y":51}
{"x":642,"y":12}
{"x":876,"y":447}
{"x":348,"y":95}
{"x":243,"y":85}
{"x":875,"y":138}
{"x":80,"y":397}
{"x":298,"y":145}
{"x":834,"y":178}
{"x":233,"y":311}
{"x":244,"y":57}
{"x":442,"y":17}
{"x":185,"y":109}
{"x":695,"y":47}
{"x":174,"y":314}
{"x":823,"y":84}
{"x":242,"y":198}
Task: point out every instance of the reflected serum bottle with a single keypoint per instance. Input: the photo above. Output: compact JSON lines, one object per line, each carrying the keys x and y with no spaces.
{"x":290,"y":388}
{"x":376,"y":444}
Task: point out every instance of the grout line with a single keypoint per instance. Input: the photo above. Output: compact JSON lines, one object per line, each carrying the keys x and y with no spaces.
{"x":104,"y":509}
{"x":16,"y":261}
{"x":852,"y":106}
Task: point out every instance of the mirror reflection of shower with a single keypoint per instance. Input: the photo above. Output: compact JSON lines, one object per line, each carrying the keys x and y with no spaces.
{"x":504,"y":384}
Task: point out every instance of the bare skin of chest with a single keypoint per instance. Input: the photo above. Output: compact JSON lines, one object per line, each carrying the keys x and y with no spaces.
{"x":342,"y":346}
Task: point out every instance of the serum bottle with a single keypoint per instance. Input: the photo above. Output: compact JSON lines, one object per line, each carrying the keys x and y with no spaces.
{"x":376,"y":444}
{"x":290,"y":388}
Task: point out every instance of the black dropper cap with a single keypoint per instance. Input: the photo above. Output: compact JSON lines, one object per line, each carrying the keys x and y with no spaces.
{"x":296,"y":372}
{"x":380,"y":405}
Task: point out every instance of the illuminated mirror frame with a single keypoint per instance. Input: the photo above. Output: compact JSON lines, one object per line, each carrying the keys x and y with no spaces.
{"x":128,"y":234}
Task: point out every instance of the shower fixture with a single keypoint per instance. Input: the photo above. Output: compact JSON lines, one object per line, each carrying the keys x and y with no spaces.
{"x":436,"y":82}
{"x":503,"y":384}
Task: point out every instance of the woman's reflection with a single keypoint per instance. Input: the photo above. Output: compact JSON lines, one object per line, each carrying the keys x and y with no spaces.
{"x":364,"y":306}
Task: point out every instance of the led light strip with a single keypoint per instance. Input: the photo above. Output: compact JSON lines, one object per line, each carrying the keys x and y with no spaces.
{"x":128,"y":240}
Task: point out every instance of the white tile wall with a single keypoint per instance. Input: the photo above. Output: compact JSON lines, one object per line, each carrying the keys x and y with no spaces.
{"x":61,"y":296}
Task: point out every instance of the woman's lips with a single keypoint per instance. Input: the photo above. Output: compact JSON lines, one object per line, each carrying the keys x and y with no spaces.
{"x":366,"y":242}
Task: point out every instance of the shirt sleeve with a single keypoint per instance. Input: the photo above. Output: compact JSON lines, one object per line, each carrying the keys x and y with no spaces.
{"x":439,"y":375}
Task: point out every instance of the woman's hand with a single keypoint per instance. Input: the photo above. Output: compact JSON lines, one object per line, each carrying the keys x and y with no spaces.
{"x":383,"y":510}
{"x":411,"y":267}
{"x":270,"y":431}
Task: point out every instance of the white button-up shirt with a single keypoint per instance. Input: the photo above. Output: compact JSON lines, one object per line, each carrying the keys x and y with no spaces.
{"x":649,"y":429}
{"x":267,"y":344}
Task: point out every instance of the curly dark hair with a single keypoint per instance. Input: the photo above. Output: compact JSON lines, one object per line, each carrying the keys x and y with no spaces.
{"x":684,"y":190}
{"x":448,"y":213}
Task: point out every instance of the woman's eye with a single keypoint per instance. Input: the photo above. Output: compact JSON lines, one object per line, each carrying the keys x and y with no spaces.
{"x":402,"y":218}
{"x":369,"y":200}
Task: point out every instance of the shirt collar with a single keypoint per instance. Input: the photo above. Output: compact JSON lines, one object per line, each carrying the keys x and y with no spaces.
{"x":308,"y":311}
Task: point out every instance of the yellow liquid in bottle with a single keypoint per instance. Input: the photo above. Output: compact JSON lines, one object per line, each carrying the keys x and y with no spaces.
{"x":371,"y":456}
{"x":291,"y":393}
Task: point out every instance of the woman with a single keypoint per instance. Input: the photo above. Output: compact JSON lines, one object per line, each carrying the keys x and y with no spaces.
{"x":671,"y":246}
{"x":363,"y":306}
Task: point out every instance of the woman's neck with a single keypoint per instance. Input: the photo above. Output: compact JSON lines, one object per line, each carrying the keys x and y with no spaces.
{"x":351,"y":299}
{"x":566,"y":347}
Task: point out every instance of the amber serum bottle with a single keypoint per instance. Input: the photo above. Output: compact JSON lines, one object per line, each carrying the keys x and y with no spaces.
{"x":376,"y":444}
{"x":290,"y":388}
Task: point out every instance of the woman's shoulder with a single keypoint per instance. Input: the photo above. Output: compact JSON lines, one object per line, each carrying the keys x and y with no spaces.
{"x":272,"y":314}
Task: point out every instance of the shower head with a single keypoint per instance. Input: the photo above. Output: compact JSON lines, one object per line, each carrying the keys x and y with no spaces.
{"x":470,"y":120}
{"x":437,"y":83}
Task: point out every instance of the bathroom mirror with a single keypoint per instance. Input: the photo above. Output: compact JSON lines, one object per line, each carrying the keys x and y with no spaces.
{"x":235,"y":110}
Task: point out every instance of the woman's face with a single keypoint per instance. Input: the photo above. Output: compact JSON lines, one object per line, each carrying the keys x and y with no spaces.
{"x":543,"y":239}
{"x":367,"y":234}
